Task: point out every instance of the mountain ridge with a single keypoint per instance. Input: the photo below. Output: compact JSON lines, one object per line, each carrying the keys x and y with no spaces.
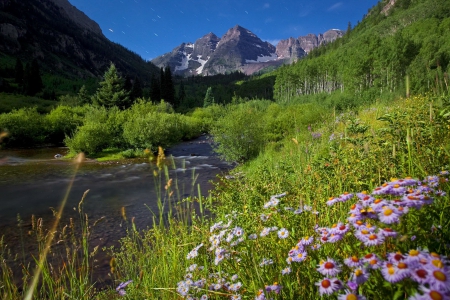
{"x":239,"y":49}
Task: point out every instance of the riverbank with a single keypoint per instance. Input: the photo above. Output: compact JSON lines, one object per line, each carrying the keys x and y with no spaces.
{"x":34,"y":181}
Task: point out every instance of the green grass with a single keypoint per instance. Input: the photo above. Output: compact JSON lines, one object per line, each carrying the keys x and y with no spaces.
{"x":356,"y":151}
{"x":9,"y":102}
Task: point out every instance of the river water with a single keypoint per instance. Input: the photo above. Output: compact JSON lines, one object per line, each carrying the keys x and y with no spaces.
{"x":32,"y":181}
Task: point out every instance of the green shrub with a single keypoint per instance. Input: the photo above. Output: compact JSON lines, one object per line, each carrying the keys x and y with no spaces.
{"x":63,"y":121}
{"x":153,"y":130}
{"x":25,"y":128}
{"x":240,"y":133}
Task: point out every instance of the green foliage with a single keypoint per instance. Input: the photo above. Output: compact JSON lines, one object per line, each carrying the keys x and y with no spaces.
{"x":63,"y":121}
{"x":209,"y":98}
{"x":240,"y":134}
{"x":25,"y":128}
{"x":96,"y":133}
{"x":111,"y":92}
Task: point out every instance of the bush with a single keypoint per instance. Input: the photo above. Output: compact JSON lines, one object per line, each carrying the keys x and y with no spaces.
{"x":94,"y":135}
{"x":25,"y":128}
{"x":63,"y":121}
{"x":239,"y":134}
{"x":153,"y":130}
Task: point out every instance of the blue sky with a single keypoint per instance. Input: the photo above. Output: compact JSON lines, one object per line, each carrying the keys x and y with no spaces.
{"x":154,"y":27}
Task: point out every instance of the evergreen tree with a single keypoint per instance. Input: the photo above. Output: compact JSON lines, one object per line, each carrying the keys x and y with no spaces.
{"x":83,"y":95}
{"x":127,"y":86}
{"x":209,"y":98}
{"x":136,"y":91}
{"x":155,"y":89}
{"x":111,"y":92}
{"x":163,"y":86}
{"x":181,"y":94}
{"x":170,"y":89}
{"x":18,"y":72}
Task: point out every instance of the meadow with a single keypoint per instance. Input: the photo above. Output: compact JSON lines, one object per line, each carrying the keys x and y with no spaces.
{"x":346,"y":204}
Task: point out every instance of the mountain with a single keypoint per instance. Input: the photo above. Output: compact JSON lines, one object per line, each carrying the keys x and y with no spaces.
{"x":63,"y":40}
{"x":239,"y":50}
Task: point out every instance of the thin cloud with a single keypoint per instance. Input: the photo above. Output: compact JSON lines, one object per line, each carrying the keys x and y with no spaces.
{"x":334,"y":6}
{"x":266,"y":5}
{"x":268,"y":20}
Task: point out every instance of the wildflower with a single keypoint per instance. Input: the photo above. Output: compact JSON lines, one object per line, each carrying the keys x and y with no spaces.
{"x":391,"y":273}
{"x":396,"y":190}
{"x":352,"y":285}
{"x":351,"y":296}
{"x":298,"y":211}
{"x":372,"y":261}
{"x":274,"y":228}
{"x":266,"y":262}
{"x":420,"y":275}
{"x":305,"y":241}
{"x":374,"y":239}
{"x":340,"y":228}
{"x":299,"y":256}
{"x":286,"y":271}
{"x":353,"y":262}
{"x":274,"y":288}
{"x":192,"y":268}
{"x":429,"y":293}
{"x":439,"y":279}
{"x":234,"y":277}
{"x":345,"y":197}
{"x":388,"y":232}
{"x":307,"y":207}
{"x":264,"y":217}
{"x":216,"y":226}
{"x":121,"y":287}
{"x":283,"y":233}
{"x":326,"y":287}
{"x":235,"y":297}
{"x":384,"y":189}
{"x":252,"y":236}
{"x":235,"y":286}
{"x":272,"y":203}
{"x":334,"y":238}
{"x":238,"y":231}
{"x":329,"y":267}
{"x":204,"y":297}
{"x":332,"y":200}
{"x":360,"y":275}
{"x":182,"y":289}
{"x":388,"y":215}
{"x":260,"y":295}
{"x":265,"y":232}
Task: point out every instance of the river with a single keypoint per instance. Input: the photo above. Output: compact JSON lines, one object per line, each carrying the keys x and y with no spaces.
{"x":32,"y":181}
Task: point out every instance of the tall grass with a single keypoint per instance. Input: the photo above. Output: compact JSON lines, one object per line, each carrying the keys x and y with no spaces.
{"x":301,"y":185}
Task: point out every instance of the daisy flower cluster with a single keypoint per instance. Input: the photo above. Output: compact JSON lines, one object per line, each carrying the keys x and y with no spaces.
{"x":371,"y":220}
{"x":384,"y":206}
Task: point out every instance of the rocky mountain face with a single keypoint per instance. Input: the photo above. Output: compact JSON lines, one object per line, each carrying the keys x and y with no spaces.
{"x":63,"y":40}
{"x":239,"y":50}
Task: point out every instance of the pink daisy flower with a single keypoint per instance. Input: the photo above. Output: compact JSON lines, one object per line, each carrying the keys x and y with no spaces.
{"x":329,"y":267}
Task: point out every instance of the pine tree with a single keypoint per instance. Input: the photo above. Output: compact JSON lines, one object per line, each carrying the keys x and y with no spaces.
{"x":18,"y":72}
{"x":136,"y":91}
{"x":83,"y":96}
{"x":181,"y":94}
{"x":209,"y":98}
{"x":163,"y":86}
{"x":111,"y":92}
{"x":155,"y":89}
{"x":127,"y":86}
{"x":170,"y":89}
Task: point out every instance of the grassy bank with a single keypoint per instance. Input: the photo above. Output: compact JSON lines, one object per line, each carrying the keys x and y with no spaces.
{"x":347,"y":204}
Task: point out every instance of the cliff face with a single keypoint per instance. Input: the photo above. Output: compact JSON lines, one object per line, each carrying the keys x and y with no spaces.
{"x":63,"y":39}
